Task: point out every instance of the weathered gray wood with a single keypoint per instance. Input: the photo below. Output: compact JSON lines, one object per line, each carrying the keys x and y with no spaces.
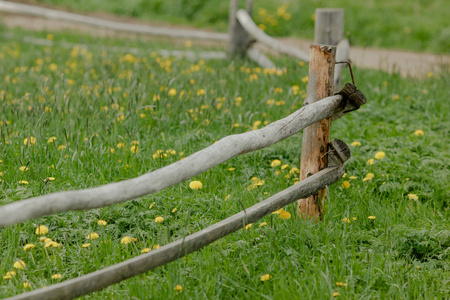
{"x":238,"y":38}
{"x":18,"y":8}
{"x":342,"y":54}
{"x":259,"y":57}
{"x":315,"y":137}
{"x":338,"y":152}
{"x":172,"y":174}
{"x":329,"y":26}
{"x":247,"y":23}
{"x":98,"y":280}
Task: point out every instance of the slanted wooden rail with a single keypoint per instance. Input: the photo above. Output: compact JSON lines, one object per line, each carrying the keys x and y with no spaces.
{"x":177,"y":172}
{"x":98,"y":280}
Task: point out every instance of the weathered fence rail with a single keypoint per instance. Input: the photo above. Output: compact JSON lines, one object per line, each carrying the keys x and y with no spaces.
{"x":177,"y":172}
{"x":48,"y":13}
{"x":98,"y":280}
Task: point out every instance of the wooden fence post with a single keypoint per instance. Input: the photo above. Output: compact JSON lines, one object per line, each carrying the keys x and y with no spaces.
{"x":238,"y":38}
{"x":315,"y":137}
{"x":329,"y":30}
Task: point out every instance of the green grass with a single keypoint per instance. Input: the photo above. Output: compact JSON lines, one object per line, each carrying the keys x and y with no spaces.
{"x":418,"y":25}
{"x":93,"y":101}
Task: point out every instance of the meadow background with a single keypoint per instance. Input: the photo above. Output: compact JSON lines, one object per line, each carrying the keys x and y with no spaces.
{"x":80,"y":117}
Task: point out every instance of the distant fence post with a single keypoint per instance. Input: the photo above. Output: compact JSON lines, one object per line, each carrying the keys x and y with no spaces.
{"x":329,"y":30}
{"x":238,"y":38}
{"x":315,"y":137}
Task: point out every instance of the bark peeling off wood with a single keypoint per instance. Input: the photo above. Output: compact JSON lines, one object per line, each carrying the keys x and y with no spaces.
{"x":101,"y":279}
{"x":195,"y":164}
{"x":315,"y":137}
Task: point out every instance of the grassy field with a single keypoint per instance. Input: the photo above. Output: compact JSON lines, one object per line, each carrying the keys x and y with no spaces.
{"x":77,"y":117}
{"x":404,"y":24}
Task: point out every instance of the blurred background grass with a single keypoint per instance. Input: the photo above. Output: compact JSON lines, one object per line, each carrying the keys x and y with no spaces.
{"x":418,"y":25}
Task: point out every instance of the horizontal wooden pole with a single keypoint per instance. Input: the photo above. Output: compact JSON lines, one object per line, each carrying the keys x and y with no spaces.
{"x":48,"y":13}
{"x":247,"y":23}
{"x":261,"y":59}
{"x":101,"y":279}
{"x":226,"y":148}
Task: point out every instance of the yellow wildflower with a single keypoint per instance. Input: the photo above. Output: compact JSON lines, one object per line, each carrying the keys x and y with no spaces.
{"x":341,"y":284}
{"x":263,"y":224}
{"x":372,"y":218}
{"x":134,"y":149}
{"x":23,"y":182}
{"x":265,"y":277}
{"x":248,"y":226}
{"x":28,"y":247}
{"x":174,"y":210}
{"x":20,"y":264}
{"x":275,"y":163}
{"x":51,"y":140}
{"x":172,"y":92}
{"x":413,"y":197}
{"x":419,"y":132}
{"x":346,"y":184}
{"x":370,"y":162}
{"x":178,"y":288}
{"x":85,"y":245}
{"x":347,"y":220}
{"x":335,"y":294}
{"x":368,"y":177}
{"x":56,"y":276}
{"x":51,"y":244}
{"x":227,"y":197}
{"x":145,"y":250}
{"x":159,"y":219}
{"x":101,"y":222}
{"x":41,"y":229}
{"x":156,"y":247}
{"x":23,"y":168}
{"x":195,"y":185}
{"x":285,"y":215}
{"x":356,"y":144}
{"x":126,"y":240}
{"x":380,"y":155}
{"x":231,"y":169}
{"x":26,"y":284}
{"x":120,"y":145}
{"x":31,"y":140}
{"x":92,"y":236}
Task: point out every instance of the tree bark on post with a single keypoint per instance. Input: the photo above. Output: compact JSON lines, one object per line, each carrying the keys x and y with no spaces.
{"x":329,"y":30}
{"x":315,"y":137}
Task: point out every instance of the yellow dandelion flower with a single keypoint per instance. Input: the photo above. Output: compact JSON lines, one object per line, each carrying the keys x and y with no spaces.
{"x":248,"y":226}
{"x":231,"y":169}
{"x":85,"y":245}
{"x":380,"y":155}
{"x":336,"y":294}
{"x":195,"y":185}
{"x":92,"y":236}
{"x":305,"y":79}
{"x":120,"y":145}
{"x":172,"y":92}
{"x":26,"y":284}
{"x":263,"y":224}
{"x":28,"y":247}
{"x":134,"y":149}
{"x":56,"y":276}
{"x":174,"y":210}
{"x":413,"y":197}
{"x":346,"y":220}
{"x":275,"y":163}
{"x":178,"y":288}
{"x":101,"y":222}
{"x":156,"y":247}
{"x":346,"y":184}
{"x":370,"y":162}
{"x":51,"y":244}
{"x":51,"y":140}
{"x":126,"y":240}
{"x":159,"y":219}
{"x":352,"y":177}
{"x":368,"y":177}
{"x":265,"y":277}
{"x":23,"y":168}
{"x":20,"y":264}
{"x":41,"y":229}
{"x":356,"y":144}
{"x":23,"y":182}
{"x":277,"y":212}
{"x":372,"y":217}
{"x":31,"y":141}
{"x":50,"y":178}
{"x":9,"y":274}
{"x":145,"y":250}
{"x":152,"y":205}
{"x":284,"y":166}
{"x":227,"y":197}
{"x":341,"y":284}
{"x":395,"y":97}
{"x":285,"y":215}
{"x":419,"y":132}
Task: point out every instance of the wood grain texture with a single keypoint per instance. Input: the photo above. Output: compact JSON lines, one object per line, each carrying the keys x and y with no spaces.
{"x":101,"y":279}
{"x":328,"y":26}
{"x":48,"y":13}
{"x":238,"y":37}
{"x":315,"y":137}
{"x":249,"y":25}
{"x":226,"y":148}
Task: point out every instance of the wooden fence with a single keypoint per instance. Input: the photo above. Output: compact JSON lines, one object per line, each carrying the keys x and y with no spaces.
{"x":317,"y":109}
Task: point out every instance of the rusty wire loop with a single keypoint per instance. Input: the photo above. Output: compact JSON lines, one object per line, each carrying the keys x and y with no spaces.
{"x":349,"y":67}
